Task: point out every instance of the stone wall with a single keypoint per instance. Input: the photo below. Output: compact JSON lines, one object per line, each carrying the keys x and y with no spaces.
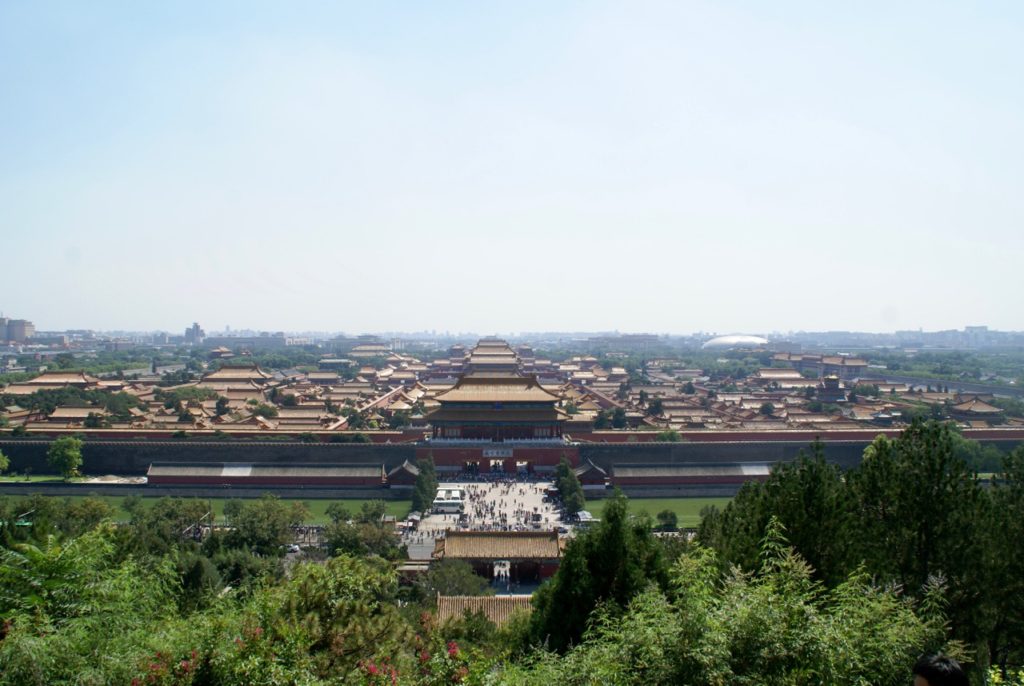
{"x":134,"y":457}
{"x":124,"y":490}
{"x":846,"y":454}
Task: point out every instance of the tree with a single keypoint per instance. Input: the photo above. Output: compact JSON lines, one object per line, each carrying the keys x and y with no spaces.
{"x":655,"y":407}
{"x":367,"y":535}
{"x":619,"y":418}
{"x":667,"y":520}
{"x":222,"y":407}
{"x":185,"y":394}
{"x":94,"y":420}
{"x":809,"y":500}
{"x":769,"y":625}
{"x":689,"y":388}
{"x":264,"y":410}
{"x":915,"y":499}
{"x":911,"y":513}
{"x":452,"y":577}
{"x":920,"y":512}
{"x":425,"y":488}
{"x":1006,"y":576}
{"x":399,"y":419}
{"x":338,"y":513}
{"x":569,"y":488}
{"x":5,"y":462}
{"x":372,"y":512}
{"x":767,"y":409}
{"x":65,"y":456}
{"x":264,"y":525}
{"x":623,"y":391}
{"x":611,"y":563}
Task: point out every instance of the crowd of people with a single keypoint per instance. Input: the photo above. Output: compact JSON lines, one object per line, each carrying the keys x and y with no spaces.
{"x":503,"y":477}
{"x":507,"y":506}
{"x":499,"y":502}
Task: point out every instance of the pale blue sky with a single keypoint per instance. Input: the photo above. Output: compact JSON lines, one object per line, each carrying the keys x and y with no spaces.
{"x":641,"y":166}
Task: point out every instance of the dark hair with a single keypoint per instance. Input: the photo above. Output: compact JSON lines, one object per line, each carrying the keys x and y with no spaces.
{"x":940,"y":670}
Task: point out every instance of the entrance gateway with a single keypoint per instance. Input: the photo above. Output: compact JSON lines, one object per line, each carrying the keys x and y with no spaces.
{"x":525,"y":460}
{"x":497,"y":460}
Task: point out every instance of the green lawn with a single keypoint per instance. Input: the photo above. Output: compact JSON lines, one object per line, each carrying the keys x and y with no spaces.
{"x":687,"y":509}
{"x":317,"y":508}
{"x":33,"y":478}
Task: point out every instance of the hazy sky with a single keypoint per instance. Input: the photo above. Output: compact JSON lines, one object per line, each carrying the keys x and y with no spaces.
{"x":641,"y":166}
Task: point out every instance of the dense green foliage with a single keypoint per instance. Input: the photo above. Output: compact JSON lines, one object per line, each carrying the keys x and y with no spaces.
{"x":425,"y":489}
{"x":668,"y":436}
{"x":118,"y":405}
{"x":989,"y":367}
{"x":911,"y":513}
{"x":173,"y":397}
{"x":363,"y":534}
{"x":813,"y":577}
{"x":284,"y":358}
{"x":609,"y":564}
{"x":778,"y":626}
{"x":65,"y":456}
{"x":570,"y":491}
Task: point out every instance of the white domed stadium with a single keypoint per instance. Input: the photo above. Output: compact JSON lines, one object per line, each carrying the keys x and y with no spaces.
{"x":733,"y":342}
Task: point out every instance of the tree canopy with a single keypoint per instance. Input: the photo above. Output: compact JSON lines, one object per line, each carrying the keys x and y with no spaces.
{"x":65,"y":456}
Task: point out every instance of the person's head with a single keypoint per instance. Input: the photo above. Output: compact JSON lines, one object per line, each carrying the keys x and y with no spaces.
{"x":939,"y":670}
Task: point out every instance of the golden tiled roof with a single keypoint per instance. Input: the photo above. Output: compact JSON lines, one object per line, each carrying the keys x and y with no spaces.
{"x":497,"y":608}
{"x":975,"y":406}
{"x":58,"y":377}
{"x":497,"y":389}
{"x":452,"y":414}
{"x":499,"y":545}
{"x":237,"y":372}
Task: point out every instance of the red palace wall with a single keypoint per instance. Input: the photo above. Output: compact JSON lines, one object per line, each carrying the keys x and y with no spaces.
{"x":673,"y":480}
{"x":548,"y":569}
{"x":256,"y":436}
{"x":769,"y":436}
{"x":457,"y":457}
{"x":266,"y":481}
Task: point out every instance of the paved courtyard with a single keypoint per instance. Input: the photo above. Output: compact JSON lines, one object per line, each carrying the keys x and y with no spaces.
{"x":507,"y":505}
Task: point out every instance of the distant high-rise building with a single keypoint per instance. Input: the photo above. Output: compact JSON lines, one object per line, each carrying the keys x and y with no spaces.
{"x":194,"y":334}
{"x":20,"y":330}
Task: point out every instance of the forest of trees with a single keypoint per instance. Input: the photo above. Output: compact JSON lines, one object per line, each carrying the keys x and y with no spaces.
{"x":815,"y":576}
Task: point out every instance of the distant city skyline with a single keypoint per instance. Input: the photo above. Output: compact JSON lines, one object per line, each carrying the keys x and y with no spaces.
{"x":228,"y":330}
{"x":652,"y":167}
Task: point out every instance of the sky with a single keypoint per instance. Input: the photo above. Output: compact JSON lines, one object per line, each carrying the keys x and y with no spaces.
{"x":665,"y":167}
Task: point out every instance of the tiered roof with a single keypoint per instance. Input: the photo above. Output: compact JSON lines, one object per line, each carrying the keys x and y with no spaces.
{"x":474,"y":389}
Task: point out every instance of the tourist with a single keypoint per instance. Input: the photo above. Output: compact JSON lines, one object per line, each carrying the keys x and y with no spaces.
{"x":939,"y":670}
